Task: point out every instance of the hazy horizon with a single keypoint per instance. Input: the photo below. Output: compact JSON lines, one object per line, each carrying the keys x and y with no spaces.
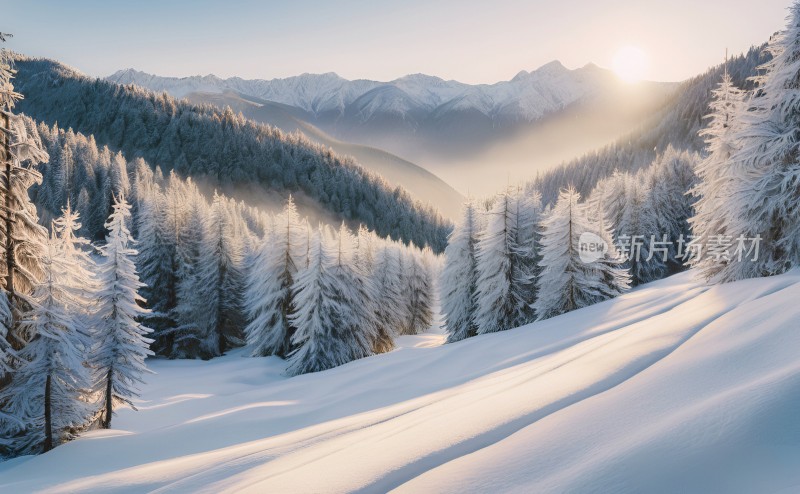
{"x":467,"y":41}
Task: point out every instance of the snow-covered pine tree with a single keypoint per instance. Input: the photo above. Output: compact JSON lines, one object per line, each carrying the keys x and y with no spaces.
{"x":47,"y":394}
{"x":418,"y":292}
{"x":333,"y":325}
{"x":506,"y":258}
{"x":638,"y":224}
{"x":80,"y":281}
{"x":714,"y":172}
{"x":269,"y":299}
{"x":156,"y":262}
{"x":121,"y":343}
{"x":21,"y":236}
{"x":670,"y":178}
{"x":390,"y":308}
{"x":763,"y":201}
{"x":528,"y":212}
{"x":566,"y":282}
{"x":364,"y":252}
{"x":221,"y":280}
{"x":460,"y":276}
{"x":606,"y":202}
{"x":190,"y":308}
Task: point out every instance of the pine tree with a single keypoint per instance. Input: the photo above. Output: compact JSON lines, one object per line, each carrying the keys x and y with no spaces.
{"x":156,"y":261}
{"x":762,"y":205}
{"x":389,"y":295}
{"x":637,"y":228}
{"x":715,"y":184}
{"x":220,"y":277}
{"x":80,"y":281}
{"x":670,"y":179}
{"x":269,"y":299}
{"x":507,"y":268}
{"x":566,"y":282}
{"x":121,"y":341}
{"x":460,"y":276}
{"x":418,"y":293}
{"x":190,"y":309}
{"x":21,"y":235}
{"x":330,"y":316}
{"x":47,"y":394}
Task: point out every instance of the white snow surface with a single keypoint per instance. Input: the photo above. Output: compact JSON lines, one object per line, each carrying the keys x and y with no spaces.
{"x":673,"y":387}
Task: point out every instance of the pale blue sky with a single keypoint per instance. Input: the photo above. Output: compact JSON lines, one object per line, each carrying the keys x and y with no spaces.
{"x":468,"y":40}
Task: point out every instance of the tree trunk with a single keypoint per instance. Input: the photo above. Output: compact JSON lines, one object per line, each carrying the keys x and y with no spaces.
{"x":109,"y":400}
{"x":48,"y":419}
{"x":9,"y":223}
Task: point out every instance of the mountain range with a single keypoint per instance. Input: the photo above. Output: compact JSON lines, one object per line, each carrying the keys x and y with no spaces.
{"x":526,"y":97}
{"x":457,"y":131}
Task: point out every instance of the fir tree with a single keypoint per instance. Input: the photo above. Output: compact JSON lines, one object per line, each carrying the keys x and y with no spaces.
{"x":221,"y":280}
{"x":506,"y":256}
{"x":389,"y":294}
{"x":269,"y":299}
{"x":333,"y":326}
{"x":121,"y":341}
{"x":637,"y":228}
{"x":47,"y":395}
{"x":21,"y":235}
{"x":418,"y":293}
{"x":566,"y":282}
{"x":460,"y":277}
{"x":714,"y":172}
{"x":763,"y":202}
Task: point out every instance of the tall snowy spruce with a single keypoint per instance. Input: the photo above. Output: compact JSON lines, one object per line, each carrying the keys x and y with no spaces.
{"x":47,"y":394}
{"x":269,"y":299}
{"x":460,"y":276}
{"x":566,"y":282}
{"x":21,"y":236}
{"x":763,"y":202}
{"x":715,"y":172}
{"x":333,"y":325}
{"x":637,"y":227}
{"x":157,"y":262}
{"x":190,"y":308}
{"x":670,"y":179}
{"x":221,"y":280}
{"x":418,"y":292}
{"x":80,"y":281}
{"x":506,"y":257}
{"x":389,"y":296}
{"x":121,"y":343}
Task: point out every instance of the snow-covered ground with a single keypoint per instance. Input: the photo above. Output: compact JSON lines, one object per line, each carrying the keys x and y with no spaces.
{"x":674,"y":387}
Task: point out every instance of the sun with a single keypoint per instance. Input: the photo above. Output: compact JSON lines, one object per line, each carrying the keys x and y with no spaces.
{"x":630,"y":64}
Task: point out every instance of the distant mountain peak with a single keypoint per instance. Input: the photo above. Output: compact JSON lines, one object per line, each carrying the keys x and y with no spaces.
{"x":554,"y":66}
{"x":526,"y":97}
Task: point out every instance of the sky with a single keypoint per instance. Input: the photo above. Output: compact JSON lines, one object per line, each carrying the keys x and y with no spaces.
{"x":473,"y":41}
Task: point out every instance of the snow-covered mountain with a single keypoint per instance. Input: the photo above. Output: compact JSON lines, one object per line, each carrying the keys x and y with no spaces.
{"x":475,"y":137}
{"x":526,"y":97}
{"x":675,"y":387}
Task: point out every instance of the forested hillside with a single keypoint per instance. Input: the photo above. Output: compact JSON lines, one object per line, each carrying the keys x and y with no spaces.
{"x":221,"y":148}
{"x":676,"y":125}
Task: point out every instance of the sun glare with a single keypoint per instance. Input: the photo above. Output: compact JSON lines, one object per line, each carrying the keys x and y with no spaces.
{"x":630,"y":64}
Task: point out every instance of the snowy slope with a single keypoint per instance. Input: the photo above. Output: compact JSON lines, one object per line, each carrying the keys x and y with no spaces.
{"x":674,"y":387}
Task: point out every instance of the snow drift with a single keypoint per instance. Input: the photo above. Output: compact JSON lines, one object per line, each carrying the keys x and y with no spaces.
{"x":674,"y":387}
